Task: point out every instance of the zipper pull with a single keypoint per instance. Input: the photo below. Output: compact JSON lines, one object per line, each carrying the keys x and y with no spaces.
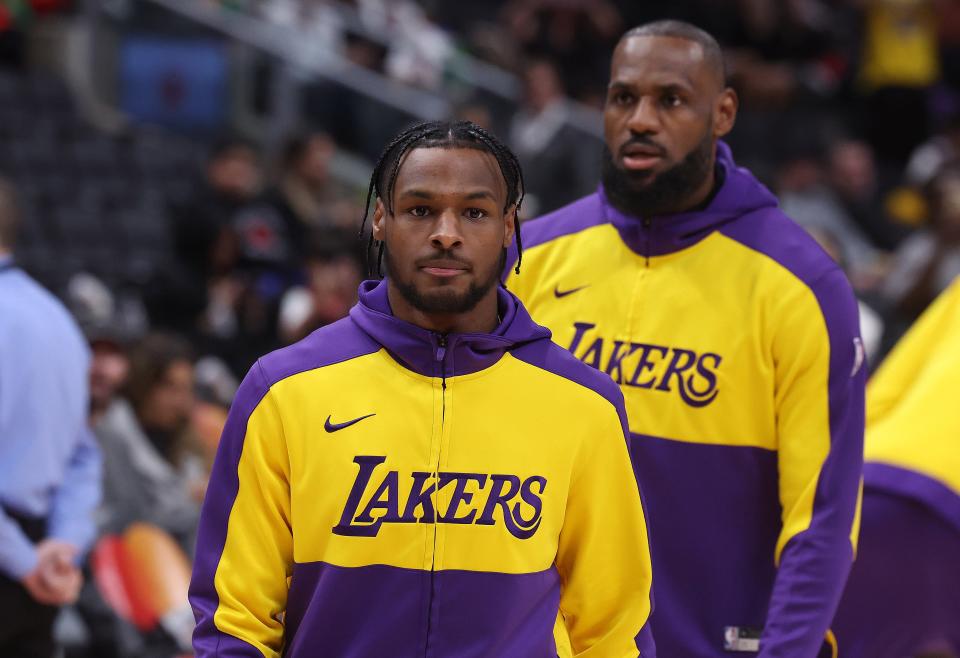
{"x":441,"y":347}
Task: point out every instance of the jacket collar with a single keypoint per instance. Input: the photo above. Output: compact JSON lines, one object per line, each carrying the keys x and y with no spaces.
{"x":435,"y":355}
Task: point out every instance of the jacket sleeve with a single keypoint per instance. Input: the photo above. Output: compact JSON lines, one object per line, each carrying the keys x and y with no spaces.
{"x":819,"y":377}
{"x":604,"y":555}
{"x":244,"y":545}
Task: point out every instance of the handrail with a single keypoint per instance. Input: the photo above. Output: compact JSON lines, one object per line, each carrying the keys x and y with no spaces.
{"x":477,"y":72}
{"x":273,"y":39}
{"x":483,"y":75}
{"x":417,"y":102}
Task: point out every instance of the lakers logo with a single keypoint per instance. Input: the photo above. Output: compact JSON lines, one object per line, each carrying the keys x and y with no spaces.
{"x":691,"y":376}
{"x":499,"y":497}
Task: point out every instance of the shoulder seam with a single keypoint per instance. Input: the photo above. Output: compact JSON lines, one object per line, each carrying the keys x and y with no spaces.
{"x":592,"y":390}
{"x":832,"y":269}
{"x":271,"y":383}
{"x":579,"y":230}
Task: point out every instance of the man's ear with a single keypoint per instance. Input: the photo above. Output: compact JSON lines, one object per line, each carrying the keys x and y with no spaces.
{"x":509,"y":226}
{"x":379,"y":212}
{"x":725,"y":112}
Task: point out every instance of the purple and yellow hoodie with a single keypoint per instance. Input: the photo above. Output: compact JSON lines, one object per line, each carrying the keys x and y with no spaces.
{"x":381,"y":490}
{"x":735,"y":341}
{"x":913,"y":423}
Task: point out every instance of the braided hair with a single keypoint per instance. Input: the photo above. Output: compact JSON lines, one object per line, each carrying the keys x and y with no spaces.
{"x":441,"y":134}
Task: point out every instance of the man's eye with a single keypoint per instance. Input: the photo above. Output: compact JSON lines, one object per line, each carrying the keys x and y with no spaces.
{"x":475,"y":213}
{"x":672,"y":100}
{"x":623,"y":98}
{"x":419,"y":211}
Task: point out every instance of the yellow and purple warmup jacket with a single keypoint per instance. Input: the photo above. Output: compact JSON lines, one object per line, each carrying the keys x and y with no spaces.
{"x":735,"y":341}
{"x":913,"y":422}
{"x":381,"y":490}
{"x":904,"y":590}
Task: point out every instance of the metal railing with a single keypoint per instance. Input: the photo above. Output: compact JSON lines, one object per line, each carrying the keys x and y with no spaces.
{"x":423,"y":104}
{"x":277,"y":41}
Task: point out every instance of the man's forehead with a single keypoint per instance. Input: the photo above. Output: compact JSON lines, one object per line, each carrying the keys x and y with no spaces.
{"x":638,"y":57}
{"x":449,"y":167}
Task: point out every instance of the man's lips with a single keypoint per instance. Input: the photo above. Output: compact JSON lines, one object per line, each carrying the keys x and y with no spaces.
{"x":443,"y":268}
{"x":638,"y":157}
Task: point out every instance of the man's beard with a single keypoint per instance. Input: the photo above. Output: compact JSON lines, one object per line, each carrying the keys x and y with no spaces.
{"x":669,"y":192}
{"x":443,"y":300}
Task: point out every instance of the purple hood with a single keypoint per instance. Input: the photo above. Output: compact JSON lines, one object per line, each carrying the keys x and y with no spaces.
{"x":421,"y":350}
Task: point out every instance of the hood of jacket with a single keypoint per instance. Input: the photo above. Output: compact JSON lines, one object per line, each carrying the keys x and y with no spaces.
{"x":443,"y":355}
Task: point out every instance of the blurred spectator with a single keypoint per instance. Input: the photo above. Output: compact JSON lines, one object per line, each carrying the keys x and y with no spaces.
{"x":152,"y":471}
{"x":419,"y":49}
{"x":109,"y":630}
{"x":108,"y":332}
{"x":852,"y":173}
{"x":815,"y":198}
{"x":333,"y":274}
{"x":932,"y":155}
{"x":929,"y":260}
{"x":108,"y":373}
{"x":777,"y":50}
{"x":205,"y":243}
{"x":900,"y":62}
{"x":577,"y":34}
{"x":235,"y":257}
{"x":871,"y":322}
{"x":558,"y":164}
{"x":307,"y":196}
{"x":49,"y":463}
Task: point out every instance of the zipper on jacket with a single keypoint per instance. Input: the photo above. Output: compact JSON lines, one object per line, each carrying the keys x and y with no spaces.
{"x":440,"y":355}
{"x":647,"y":223}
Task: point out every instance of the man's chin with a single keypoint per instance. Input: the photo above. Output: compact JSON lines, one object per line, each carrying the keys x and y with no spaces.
{"x":638,"y":178}
{"x":443,"y":299}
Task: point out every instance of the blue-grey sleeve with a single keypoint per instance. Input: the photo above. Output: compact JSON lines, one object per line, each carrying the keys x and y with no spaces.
{"x":72,"y":513}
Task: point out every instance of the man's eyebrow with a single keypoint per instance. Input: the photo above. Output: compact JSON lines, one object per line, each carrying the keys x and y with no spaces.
{"x":480,"y":194}
{"x":684,"y":85}
{"x":420,"y":194}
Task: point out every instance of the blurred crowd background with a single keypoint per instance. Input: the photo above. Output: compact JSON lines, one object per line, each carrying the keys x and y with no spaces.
{"x":191,"y":176}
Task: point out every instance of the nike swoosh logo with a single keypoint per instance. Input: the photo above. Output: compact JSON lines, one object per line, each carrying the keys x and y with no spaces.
{"x":336,"y":427}
{"x":563,"y":293}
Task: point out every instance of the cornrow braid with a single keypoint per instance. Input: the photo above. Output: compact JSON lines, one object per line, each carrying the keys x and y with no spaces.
{"x":440,"y":134}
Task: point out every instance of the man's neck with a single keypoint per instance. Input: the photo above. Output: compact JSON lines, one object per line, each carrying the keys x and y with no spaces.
{"x":716,"y":179}
{"x":5,"y":255}
{"x":482,"y":318}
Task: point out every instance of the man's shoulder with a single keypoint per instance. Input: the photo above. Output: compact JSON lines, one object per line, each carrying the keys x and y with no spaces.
{"x":18,"y":286}
{"x":771,"y":234}
{"x":27,"y":309}
{"x":335,"y":343}
{"x":582,"y":214}
{"x":548,"y":356}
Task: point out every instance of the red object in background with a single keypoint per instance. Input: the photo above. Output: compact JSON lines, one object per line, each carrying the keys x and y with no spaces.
{"x":46,"y":6}
{"x":107,"y":562}
{"x":5,"y":18}
{"x":142,"y":575}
